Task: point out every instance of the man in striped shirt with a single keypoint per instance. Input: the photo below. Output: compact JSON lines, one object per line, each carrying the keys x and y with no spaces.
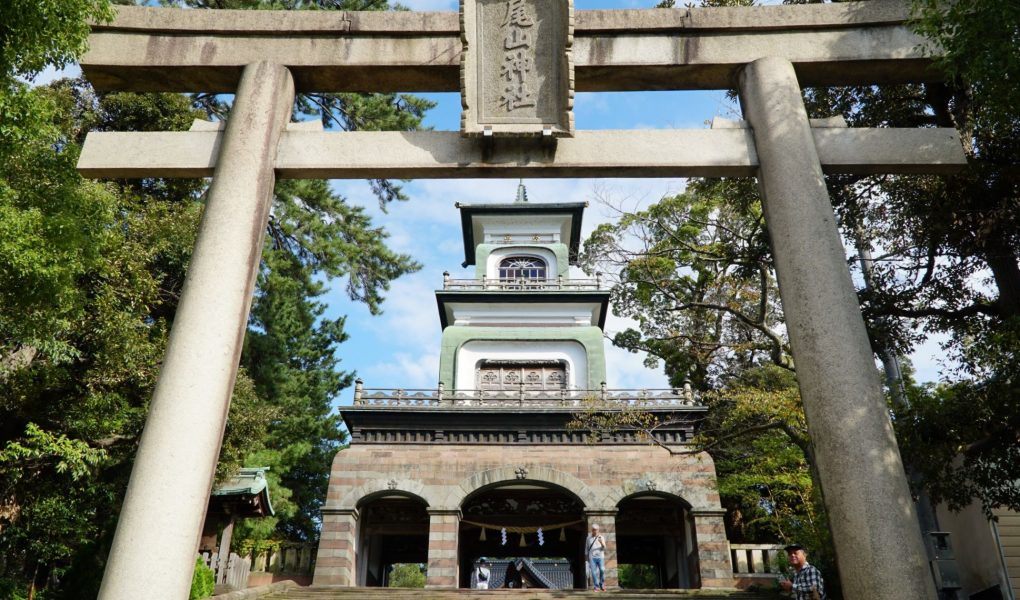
{"x":807,"y":582}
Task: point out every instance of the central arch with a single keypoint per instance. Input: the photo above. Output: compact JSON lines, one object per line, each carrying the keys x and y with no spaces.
{"x":509,"y":474}
{"x":501,"y":522}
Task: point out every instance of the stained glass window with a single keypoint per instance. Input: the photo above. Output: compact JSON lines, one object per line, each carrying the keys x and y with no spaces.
{"x":522,"y":267}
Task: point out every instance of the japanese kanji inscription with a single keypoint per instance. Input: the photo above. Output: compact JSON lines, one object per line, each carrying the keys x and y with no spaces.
{"x":516,"y":68}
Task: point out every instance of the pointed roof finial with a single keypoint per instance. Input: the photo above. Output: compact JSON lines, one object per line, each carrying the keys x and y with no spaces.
{"x":522,"y":194}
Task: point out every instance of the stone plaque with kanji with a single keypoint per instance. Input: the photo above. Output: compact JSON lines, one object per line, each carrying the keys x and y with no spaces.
{"x":517,"y":73}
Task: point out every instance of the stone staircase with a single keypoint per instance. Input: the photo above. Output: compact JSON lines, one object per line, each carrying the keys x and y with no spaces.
{"x":339,"y":593}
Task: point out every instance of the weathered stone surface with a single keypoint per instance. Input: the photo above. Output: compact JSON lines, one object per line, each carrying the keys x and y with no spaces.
{"x":714,"y":563}
{"x":442,"y":154}
{"x":444,"y":476}
{"x":871,"y":512}
{"x":283,"y":23}
{"x":738,"y":18}
{"x":259,"y":592}
{"x":517,"y":73}
{"x":659,"y":49}
{"x":154,"y":546}
{"x":443,"y":568}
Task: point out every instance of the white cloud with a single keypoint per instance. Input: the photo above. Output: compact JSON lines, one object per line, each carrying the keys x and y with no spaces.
{"x":591,"y":102}
{"x":405,"y":371}
{"x":410,"y":321}
{"x":450,"y":246}
{"x":624,"y":369}
{"x":400,"y":348}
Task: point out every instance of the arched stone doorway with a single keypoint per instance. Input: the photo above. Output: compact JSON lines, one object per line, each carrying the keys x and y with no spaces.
{"x":656,"y":542}
{"x":524,"y":505}
{"x":393,"y":529}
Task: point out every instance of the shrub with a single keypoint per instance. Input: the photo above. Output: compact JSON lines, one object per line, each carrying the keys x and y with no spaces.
{"x":202,"y":582}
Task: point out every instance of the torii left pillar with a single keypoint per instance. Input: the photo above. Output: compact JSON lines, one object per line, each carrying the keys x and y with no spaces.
{"x":153,"y":553}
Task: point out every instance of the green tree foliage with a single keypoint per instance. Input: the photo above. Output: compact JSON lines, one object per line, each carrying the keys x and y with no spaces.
{"x":407,"y":575}
{"x":948,"y":248}
{"x":756,"y":433}
{"x":638,"y":576}
{"x":694,"y":271}
{"x":90,"y":277}
{"x":202,"y":581}
{"x":79,"y":366}
{"x":962,"y":434}
{"x":314,"y":235}
{"x":977,"y":45}
{"x":37,"y":34}
{"x":947,"y":263}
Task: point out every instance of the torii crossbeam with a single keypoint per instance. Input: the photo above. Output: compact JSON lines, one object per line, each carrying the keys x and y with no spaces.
{"x":767,"y":53}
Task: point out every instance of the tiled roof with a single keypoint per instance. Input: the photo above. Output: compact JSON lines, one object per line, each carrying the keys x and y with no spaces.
{"x":248,"y":482}
{"x":547,"y":573}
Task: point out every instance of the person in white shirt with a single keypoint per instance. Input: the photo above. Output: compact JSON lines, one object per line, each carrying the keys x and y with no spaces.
{"x":480,"y":578}
{"x":595,"y":549}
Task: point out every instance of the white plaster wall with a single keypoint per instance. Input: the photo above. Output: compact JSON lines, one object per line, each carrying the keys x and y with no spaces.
{"x":492,"y":228}
{"x":471,"y":353}
{"x":498,"y":254}
{"x":977,"y":552}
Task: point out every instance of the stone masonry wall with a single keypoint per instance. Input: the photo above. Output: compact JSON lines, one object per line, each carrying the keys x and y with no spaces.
{"x":443,"y":476}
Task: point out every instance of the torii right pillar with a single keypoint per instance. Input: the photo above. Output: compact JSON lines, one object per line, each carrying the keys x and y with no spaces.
{"x":878,"y":543}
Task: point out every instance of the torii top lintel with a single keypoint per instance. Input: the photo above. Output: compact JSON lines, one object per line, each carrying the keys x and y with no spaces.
{"x":161,"y":49}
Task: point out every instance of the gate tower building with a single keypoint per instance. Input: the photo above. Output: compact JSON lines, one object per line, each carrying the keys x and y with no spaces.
{"x":486,"y":465}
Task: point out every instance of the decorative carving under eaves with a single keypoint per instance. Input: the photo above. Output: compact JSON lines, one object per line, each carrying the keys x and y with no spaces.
{"x":489,"y":506}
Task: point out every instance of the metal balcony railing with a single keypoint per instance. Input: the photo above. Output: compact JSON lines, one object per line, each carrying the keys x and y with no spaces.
{"x":527,"y":284}
{"x":528,"y":397}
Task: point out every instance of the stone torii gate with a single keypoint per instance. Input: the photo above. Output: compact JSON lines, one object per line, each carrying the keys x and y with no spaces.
{"x":767,"y":53}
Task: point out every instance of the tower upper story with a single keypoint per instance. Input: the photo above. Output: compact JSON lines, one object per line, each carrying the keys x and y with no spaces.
{"x":550,"y":232}
{"x":522,"y":323}
{"x":522,"y":347}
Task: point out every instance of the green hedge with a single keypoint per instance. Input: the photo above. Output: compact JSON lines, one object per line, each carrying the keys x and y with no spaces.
{"x":202,"y":582}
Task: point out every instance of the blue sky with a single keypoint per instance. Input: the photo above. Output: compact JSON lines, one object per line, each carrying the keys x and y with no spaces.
{"x":400,"y":348}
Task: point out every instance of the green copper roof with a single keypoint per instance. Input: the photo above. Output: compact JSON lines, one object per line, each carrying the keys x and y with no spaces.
{"x":249,"y":481}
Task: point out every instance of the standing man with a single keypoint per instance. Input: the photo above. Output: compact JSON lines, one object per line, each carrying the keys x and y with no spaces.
{"x":481,"y":575}
{"x":595,"y":549}
{"x":807,"y":582}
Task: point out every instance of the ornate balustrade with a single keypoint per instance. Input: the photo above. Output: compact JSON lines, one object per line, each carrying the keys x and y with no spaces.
{"x":522,"y":284}
{"x":578,"y":398}
{"x":288,"y":560}
{"x":756,"y":561}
